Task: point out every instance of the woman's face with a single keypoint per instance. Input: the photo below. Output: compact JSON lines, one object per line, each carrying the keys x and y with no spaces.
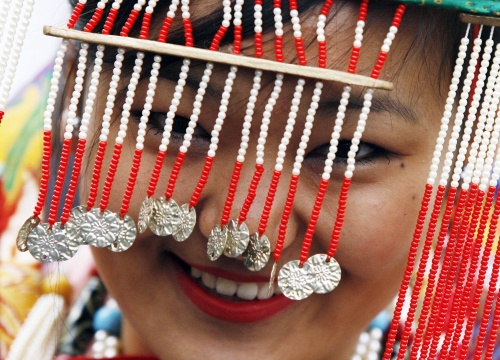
{"x":174,"y":315}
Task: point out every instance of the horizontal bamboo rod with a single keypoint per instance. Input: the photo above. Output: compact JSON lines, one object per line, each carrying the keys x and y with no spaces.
{"x":481,"y":20}
{"x":218,"y":57}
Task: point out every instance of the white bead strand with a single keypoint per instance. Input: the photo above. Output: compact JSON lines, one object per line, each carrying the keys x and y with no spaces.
{"x":247,"y":124}
{"x":11,"y":36}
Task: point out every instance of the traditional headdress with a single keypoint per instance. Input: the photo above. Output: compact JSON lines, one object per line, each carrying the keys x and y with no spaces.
{"x":455,"y":259}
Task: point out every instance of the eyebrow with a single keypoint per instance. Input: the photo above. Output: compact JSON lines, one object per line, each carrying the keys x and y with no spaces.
{"x":380,"y":104}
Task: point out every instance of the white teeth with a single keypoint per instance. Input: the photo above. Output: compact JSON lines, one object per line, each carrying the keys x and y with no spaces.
{"x":208,"y":280}
{"x":196,"y":273}
{"x":263,"y":293}
{"x":247,"y":291}
{"x":226,"y":287}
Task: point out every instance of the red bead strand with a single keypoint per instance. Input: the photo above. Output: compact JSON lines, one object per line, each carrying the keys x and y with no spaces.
{"x":308,"y":237}
{"x":155,"y":176}
{"x":44,"y":182}
{"x":431,"y":228}
{"x":174,"y":175}
{"x":269,"y":202}
{"x":325,"y":10}
{"x":96,"y":175}
{"x":482,"y":271}
{"x":61,"y":174}
{"x":440,"y":289}
{"x":74,"y":17}
{"x":146,"y":24}
{"x":461,"y":292}
{"x":429,"y":291}
{"x":132,"y":179}
{"x":285,"y":217}
{"x":252,"y":192}
{"x":412,"y":254}
{"x":77,"y":166}
{"x":237,"y":39}
{"x":110,"y":21}
{"x":201,"y":182}
{"x":113,"y":167}
{"x":129,"y":24}
{"x":94,"y":20}
{"x":188,"y":32}
{"x":339,"y":220}
{"x":445,"y":303}
{"x":165,"y":28}
{"x":493,"y":334}
{"x":231,"y":192}
{"x":214,"y":46}
{"x":490,"y":297}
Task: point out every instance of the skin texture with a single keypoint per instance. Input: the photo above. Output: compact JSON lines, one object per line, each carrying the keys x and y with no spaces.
{"x":383,"y":201}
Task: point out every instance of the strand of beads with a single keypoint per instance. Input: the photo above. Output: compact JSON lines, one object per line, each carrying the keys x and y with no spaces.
{"x":428,"y":244}
{"x":47,"y":242}
{"x":237,"y":234}
{"x":34,"y":220}
{"x":10,"y":71}
{"x":257,"y":13}
{"x":299,"y":279}
{"x":452,"y":192}
{"x":335,"y":275}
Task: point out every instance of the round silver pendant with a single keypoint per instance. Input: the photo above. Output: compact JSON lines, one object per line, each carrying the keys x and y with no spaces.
{"x":73,"y":226}
{"x":216,"y":242}
{"x":145,"y":214}
{"x":237,"y":239}
{"x":66,"y":248}
{"x":22,"y":235}
{"x":327,"y":274}
{"x":187,"y":223}
{"x":100,"y":230}
{"x":258,"y":252}
{"x":126,"y":235}
{"x":42,"y":243}
{"x":166,"y":218}
{"x":296,"y":282}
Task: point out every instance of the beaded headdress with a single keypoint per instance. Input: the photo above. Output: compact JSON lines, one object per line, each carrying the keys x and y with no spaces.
{"x":459,"y":196}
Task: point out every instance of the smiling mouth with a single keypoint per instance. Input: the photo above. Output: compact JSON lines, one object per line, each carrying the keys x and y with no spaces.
{"x":227,"y":299}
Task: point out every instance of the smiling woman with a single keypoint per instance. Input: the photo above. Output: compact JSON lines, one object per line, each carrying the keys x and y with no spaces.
{"x":322,"y":211}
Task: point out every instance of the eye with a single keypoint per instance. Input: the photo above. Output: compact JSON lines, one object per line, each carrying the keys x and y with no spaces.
{"x":367,"y":153}
{"x":156,"y":125}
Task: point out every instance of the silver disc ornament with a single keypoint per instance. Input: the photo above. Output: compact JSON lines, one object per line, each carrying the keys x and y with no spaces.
{"x":22,"y":235}
{"x":126,"y":235}
{"x":145,"y":214}
{"x":73,"y":226}
{"x":100,"y":230}
{"x":216,"y":242}
{"x":296,"y":282}
{"x":187,"y":223}
{"x":49,"y":245}
{"x":166,"y":219}
{"x":237,"y":239}
{"x":327,"y":273}
{"x":258,"y":252}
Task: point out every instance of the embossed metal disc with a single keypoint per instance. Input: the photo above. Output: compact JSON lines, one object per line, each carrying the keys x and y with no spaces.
{"x":73,"y":226}
{"x":166,"y":217}
{"x":22,"y":235}
{"x":187,"y":223}
{"x":258,"y":252}
{"x":42,"y":243}
{"x":237,"y":239}
{"x":216,"y":242}
{"x":126,"y":235}
{"x":100,"y":230}
{"x":296,"y":282}
{"x":145,"y":214}
{"x":66,"y":248}
{"x":327,"y":274}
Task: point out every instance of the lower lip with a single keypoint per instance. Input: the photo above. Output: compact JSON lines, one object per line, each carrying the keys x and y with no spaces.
{"x":236,"y":312}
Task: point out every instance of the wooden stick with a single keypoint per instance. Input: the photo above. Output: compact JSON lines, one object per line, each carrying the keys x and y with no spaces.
{"x":218,"y":57}
{"x":481,"y":20}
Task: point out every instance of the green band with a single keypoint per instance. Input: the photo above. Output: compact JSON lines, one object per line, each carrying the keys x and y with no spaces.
{"x":483,"y":7}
